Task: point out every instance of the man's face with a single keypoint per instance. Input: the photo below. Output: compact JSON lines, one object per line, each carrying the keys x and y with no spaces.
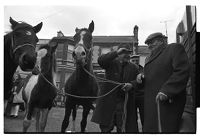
{"x":154,"y":44}
{"x":124,"y":57}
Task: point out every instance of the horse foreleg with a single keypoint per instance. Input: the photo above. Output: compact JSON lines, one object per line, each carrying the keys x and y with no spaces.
{"x":74,"y":118}
{"x":26,"y":124}
{"x":65,"y":122}
{"x":27,"y":119}
{"x":86,"y":110}
{"x":37,"y":118}
{"x":43,"y":121}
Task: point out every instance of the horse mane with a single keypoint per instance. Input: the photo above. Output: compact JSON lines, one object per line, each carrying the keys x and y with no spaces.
{"x":54,"y":64}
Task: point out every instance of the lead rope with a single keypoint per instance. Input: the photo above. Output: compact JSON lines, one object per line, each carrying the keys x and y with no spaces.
{"x":85,"y":97}
{"x":159,"y":120}
{"x":124,"y":117}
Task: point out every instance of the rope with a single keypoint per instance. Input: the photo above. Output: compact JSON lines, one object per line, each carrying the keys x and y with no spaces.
{"x":85,"y":97}
{"x":105,"y":80}
{"x":125,"y":113}
{"x":159,"y":120}
{"x":97,"y":97}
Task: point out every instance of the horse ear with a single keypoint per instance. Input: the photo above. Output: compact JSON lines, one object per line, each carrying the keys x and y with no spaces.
{"x":13,"y":22}
{"x":76,"y":30}
{"x":38,"y":27}
{"x":91,"y":27}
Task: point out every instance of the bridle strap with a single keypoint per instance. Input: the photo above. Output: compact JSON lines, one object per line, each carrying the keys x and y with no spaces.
{"x":19,"y":46}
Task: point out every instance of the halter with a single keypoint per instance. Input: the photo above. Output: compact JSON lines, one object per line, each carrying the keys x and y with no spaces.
{"x":18,"y":47}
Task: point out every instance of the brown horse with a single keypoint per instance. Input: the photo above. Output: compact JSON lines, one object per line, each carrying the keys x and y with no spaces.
{"x":19,"y":49}
{"x":39,"y":92}
{"x":80,"y":83}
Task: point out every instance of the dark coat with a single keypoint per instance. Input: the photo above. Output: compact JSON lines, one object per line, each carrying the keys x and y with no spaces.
{"x":106,"y":106}
{"x":166,"y":71}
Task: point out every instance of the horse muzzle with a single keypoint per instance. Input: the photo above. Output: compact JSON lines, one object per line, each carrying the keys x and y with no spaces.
{"x":27,"y":62}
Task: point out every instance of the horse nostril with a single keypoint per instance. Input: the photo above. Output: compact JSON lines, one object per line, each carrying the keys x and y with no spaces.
{"x":25,"y":59}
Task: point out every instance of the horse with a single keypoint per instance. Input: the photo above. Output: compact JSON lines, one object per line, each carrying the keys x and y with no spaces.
{"x":19,"y":50}
{"x":80,"y":83}
{"x":39,"y":92}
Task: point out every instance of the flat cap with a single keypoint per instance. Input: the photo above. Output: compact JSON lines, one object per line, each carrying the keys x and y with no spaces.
{"x":124,"y":46}
{"x":152,"y":36}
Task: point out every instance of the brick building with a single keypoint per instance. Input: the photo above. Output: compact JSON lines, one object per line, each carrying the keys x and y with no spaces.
{"x":101,"y":45}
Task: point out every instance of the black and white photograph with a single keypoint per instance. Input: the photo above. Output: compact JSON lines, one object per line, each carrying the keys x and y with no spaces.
{"x":100,"y":67}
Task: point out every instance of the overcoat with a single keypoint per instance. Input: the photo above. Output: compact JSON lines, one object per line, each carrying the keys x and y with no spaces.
{"x":106,"y":106}
{"x":167,"y":71}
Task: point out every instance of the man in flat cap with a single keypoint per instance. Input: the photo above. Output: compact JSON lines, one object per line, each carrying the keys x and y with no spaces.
{"x":166,"y":74}
{"x":110,"y":109}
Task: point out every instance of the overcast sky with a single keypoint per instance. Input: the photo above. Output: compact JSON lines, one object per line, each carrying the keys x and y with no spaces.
{"x":110,"y":17}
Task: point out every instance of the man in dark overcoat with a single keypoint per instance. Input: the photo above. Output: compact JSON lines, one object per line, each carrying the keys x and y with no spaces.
{"x":166,"y":74}
{"x":109,"y":109}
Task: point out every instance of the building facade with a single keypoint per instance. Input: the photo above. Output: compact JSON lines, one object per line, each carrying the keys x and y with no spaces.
{"x":101,"y":45}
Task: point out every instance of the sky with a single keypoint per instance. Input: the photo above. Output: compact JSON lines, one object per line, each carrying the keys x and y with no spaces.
{"x":111,"y":18}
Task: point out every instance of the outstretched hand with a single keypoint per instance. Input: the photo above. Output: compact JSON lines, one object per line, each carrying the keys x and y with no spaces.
{"x":123,"y":51}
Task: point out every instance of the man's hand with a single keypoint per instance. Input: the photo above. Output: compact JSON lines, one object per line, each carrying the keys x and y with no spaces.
{"x":127,"y":87}
{"x":123,"y":51}
{"x":161,"y":97}
{"x":139,"y":78}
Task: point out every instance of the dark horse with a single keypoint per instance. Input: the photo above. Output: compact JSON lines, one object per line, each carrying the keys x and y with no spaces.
{"x":19,"y":49}
{"x":80,"y":83}
{"x":39,"y":92}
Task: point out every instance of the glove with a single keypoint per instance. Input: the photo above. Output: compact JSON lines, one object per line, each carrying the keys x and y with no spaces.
{"x":161,"y":97}
{"x":127,"y":87}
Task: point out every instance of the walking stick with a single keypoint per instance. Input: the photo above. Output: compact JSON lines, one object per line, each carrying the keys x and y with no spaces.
{"x":159,"y":120}
{"x":125,"y":113}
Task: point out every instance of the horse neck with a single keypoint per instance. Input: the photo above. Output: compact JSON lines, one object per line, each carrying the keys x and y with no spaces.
{"x":7,"y":47}
{"x":49,"y":75}
{"x":9,"y":65}
{"x":81,"y":75}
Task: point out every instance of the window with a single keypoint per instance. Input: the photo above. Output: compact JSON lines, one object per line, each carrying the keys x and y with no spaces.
{"x":95,"y":54}
{"x":105,"y":50}
{"x":69,"y":56}
{"x":67,"y":75}
{"x":70,"y":47}
{"x":59,"y":50}
{"x":60,"y":47}
{"x":57,"y":76}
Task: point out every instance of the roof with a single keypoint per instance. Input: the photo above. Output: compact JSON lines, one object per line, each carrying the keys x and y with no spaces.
{"x":113,"y":39}
{"x":97,"y":39}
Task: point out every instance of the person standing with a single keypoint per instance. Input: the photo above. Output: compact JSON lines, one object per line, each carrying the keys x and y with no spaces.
{"x":139,"y":102}
{"x":17,"y":96}
{"x":166,"y":74}
{"x":109,"y":110}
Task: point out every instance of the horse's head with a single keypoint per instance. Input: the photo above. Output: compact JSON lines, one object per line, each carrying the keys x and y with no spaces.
{"x":23,"y":42}
{"x":46,"y":61}
{"x":83,"y":45}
